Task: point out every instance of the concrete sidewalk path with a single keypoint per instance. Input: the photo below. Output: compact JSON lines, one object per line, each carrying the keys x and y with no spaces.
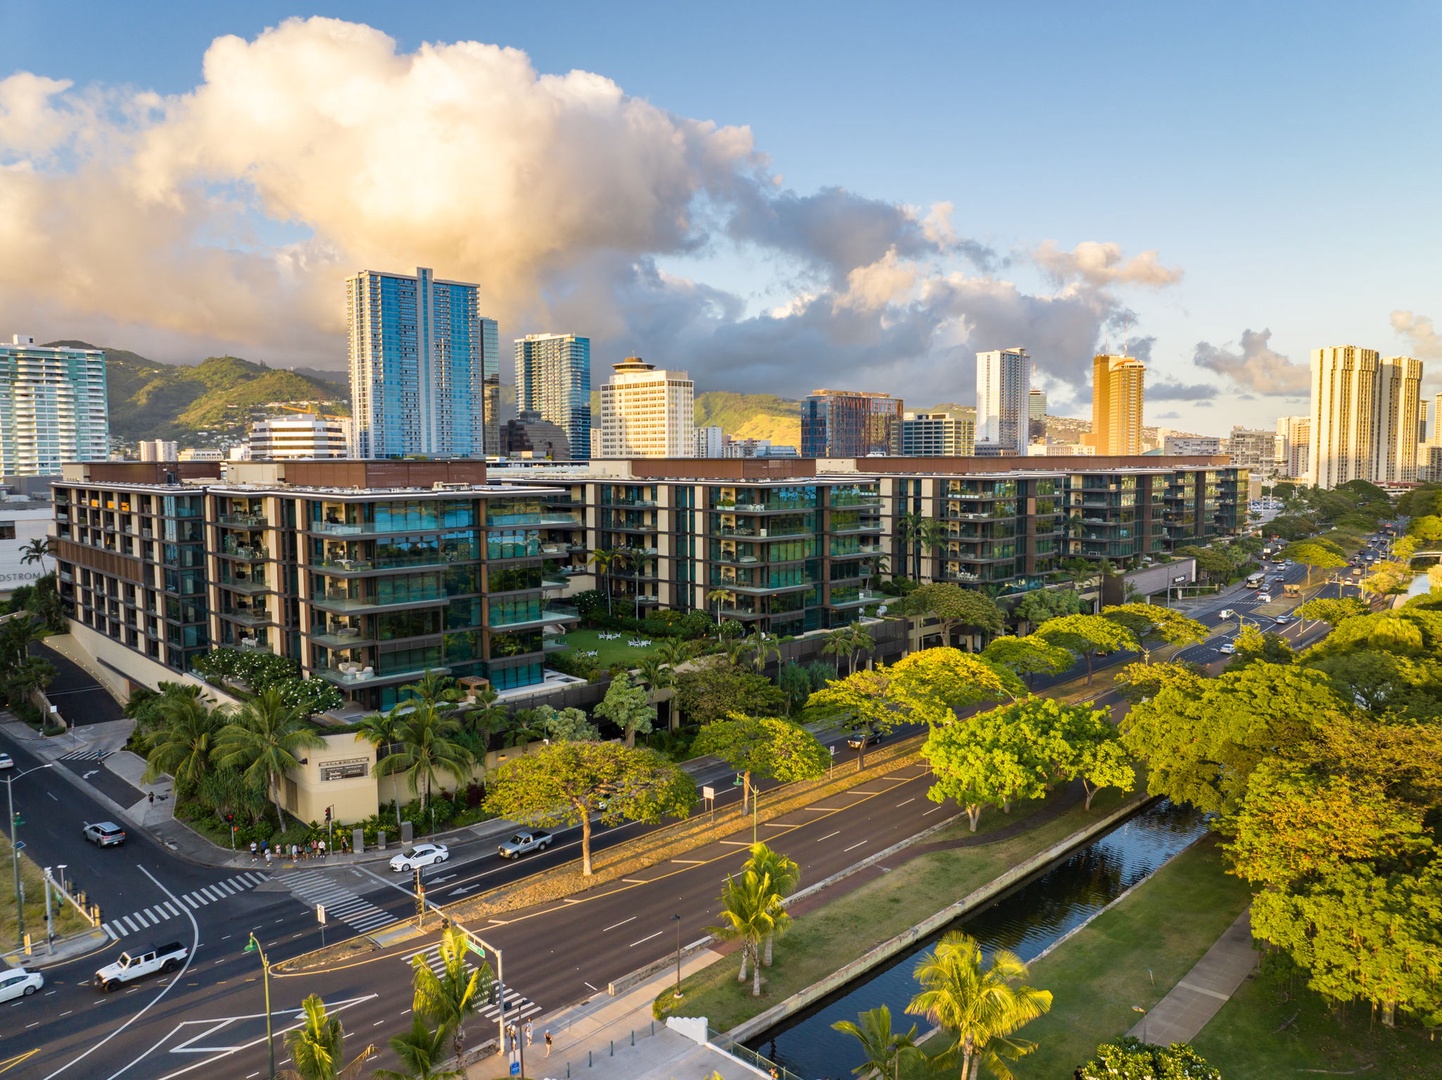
{"x":615,"y":1038}
{"x":1200,"y":995}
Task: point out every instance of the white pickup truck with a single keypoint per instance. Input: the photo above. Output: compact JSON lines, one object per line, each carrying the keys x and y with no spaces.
{"x":134,"y":965}
{"x":522,"y":842}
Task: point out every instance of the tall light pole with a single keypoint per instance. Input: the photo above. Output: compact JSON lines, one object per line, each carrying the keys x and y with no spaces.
{"x":1138,"y":1008}
{"x":254,"y":946}
{"x":15,"y":852}
{"x":677,"y":920}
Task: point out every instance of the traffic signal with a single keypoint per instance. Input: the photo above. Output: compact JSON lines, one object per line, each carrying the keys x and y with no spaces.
{"x":230,"y":818}
{"x":18,"y":819}
{"x":327,"y":815}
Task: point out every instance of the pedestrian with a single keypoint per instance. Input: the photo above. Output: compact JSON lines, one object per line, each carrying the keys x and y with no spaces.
{"x":548,"y":1044}
{"x":253,"y":850}
{"x":344,"y":846}
{"x":530,"y":1032}
{"x":267,"y":856}
{"x":294,"y":853}
{"x":511,"y":1034}
{"x":152,"y":798}
{"x":322,"y":849}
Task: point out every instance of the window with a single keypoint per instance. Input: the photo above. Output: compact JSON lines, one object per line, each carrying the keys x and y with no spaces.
{"x":7,"y":530}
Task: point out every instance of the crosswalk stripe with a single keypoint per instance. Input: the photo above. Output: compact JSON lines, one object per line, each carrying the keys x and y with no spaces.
{"x":225,"y":888}
{"x":188,"y":900}
{"x":106,"y":928}
{"x":128,"y":925}
{"x":174,"y":910}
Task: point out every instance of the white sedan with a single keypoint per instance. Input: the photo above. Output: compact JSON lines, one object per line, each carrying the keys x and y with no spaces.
{"x":1226,"y":648}
{"x":6,"y":761}
{"x":17,"y":982}
{"x":420,"y":855}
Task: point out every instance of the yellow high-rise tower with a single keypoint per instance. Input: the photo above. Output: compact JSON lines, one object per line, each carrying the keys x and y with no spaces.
{"x":1118,"y":392}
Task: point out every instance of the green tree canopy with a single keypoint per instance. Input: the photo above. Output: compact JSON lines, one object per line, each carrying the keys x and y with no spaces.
{"x":566,"y":783}
{"x":1128,"y":1058}
{"x":1201,"y":742}
{"x":954,"y":608}
{"x":931,"y":685}
{"x":714,"y":689}
{"x":1087,"y":636}
{"x":992,"y":759}
{"x":1138,"y":682}
{"x":628,"y":706}
{"x":1081,"y":743}
{"x":1156,"y":623}
{"x":1315,"y":554}
{"x":1039,"y":605}
{"x":264,"y":738}
{"x":427,"y":747}
{"x":763,"y":747}
{"x":1027,"y":656}
{"x":1333,"y":611}
{"x":1260,"y":646}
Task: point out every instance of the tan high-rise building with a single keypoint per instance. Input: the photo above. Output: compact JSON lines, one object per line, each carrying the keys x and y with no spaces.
{"x":1118,"y":395}
{"x":647,"y":413}
{"x":1365,"y":411}
{"x":1294,"y":434}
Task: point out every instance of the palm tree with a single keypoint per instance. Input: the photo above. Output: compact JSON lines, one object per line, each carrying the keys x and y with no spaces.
{"x":527,"y":726}
{"x":184,"y":743}
{"x":263,"y":739}
{"x":885,"y":1050}
{"x":978,"y":1008}
{"x":605,"y":560}
{"x":783,"y":875}
{"x":837,"y":643}
{"x":658,"y":676}
{"x":37,"y":550}
{"x":317,"y":1047}
{"x":858,"y":640}
{"x":485,"y":718}
{"x":432,"y":687}
{"x":16,"y":636}
{"x":421,"y":1050}
{"x":448,"y":998}
{"x":749,"y":912}
{"x":919,"y":533}
{"x":720,"y":597}
{"x":762,"y":647}
{"x":379,"y":729}
{"x":425,"y":747}
{"x":638,"y":558}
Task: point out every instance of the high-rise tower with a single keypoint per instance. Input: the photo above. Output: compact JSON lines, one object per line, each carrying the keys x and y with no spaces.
{"x":1364,"y":416}
{"x":1118,"y":396}
{"x":52,"y":407}
{"x":647,"y":413}
{"x":553,"y":378}
{"x":417,"y":365}
{"x":1003,"y":399}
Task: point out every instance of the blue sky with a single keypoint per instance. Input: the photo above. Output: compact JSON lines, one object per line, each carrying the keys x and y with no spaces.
{"x":1282,"y":158}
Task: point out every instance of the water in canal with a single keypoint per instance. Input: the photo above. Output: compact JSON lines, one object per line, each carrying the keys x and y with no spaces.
{"x":1025,"y":921}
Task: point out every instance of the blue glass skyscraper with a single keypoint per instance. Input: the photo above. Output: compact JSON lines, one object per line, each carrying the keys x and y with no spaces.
{"x":553,"y":378}
{"x":418,"y":365}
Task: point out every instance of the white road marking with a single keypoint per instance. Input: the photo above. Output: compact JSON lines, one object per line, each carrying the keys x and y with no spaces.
{"x":623,"y":922}
{"x":911,"y":800}
{"x":853,"y":847}
{"x":829,"y":835}
{"x":657,"y":934}
{"x":931,"y":811}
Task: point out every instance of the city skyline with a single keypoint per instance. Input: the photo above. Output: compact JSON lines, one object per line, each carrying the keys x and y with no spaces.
{"x":768,"y":252}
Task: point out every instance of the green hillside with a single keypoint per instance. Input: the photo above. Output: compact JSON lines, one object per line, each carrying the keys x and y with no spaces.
{"x":751,"y":416}
{"x":197,"y":404}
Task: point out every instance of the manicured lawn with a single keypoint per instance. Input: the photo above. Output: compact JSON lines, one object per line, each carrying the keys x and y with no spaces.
{"x":1131,"y":954}
{"x":609,"y":652}
{"x":67,"y":919}
{"x":1275,"y":1026}
{"x":824,"y":940}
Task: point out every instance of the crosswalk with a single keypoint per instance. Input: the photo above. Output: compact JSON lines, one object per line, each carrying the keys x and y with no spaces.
{"x":317,"y":887}
{"x":139,"y":921}
{"x":82,"y":755}
{"x":518,"y":1006}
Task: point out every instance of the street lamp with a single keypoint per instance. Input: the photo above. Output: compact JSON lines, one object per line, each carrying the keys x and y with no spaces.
{"x":1138,"y":1008}
{"x":677,"y":920}
{"x":15,"y":851}
{"x":254,"y":946}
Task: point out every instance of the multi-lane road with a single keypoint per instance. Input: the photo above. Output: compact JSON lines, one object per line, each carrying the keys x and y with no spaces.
{"x":210,"y":1016}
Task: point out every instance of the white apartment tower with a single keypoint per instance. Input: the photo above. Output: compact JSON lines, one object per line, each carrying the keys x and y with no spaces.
{"x":1003,"y":399}
{"x":647,"y":412}
{"x":1364,"y":416}
{"x":52,"y":407}
{"x":1294,"y":434}
{"x":277,"y":438}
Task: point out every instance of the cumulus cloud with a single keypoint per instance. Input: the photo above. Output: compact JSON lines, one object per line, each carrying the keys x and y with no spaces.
{"x":1423,"y":340}
{"x":1256,"y":366}
{"x":229,"y":216}
{"x":1172,"y":391}
{"x":1098,"y":265}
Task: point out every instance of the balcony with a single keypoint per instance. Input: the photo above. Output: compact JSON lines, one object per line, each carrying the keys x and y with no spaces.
{"x":248,"y":616}
{"x":248,"y":588}
{"x":510,"y":521}
{"x":351,"y":675}
{"x":340,"y":638}
{"x":252,"y":521}
{"x":349,"y":605}
{"x":245,"y":554}
{"x":551,"y":615}
{"x":846,"y":598}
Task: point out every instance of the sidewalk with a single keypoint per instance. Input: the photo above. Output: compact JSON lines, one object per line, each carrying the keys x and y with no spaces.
{"x":616,"y":1039}
{"x":1183,"y":1013}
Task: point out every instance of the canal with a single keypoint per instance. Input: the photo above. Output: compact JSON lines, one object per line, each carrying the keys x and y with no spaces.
{"x":1027,"y":920}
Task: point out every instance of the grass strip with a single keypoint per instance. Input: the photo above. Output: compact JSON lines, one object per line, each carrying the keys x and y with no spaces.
{"x":824,"y":940}
{"x":32,"y":880}
{"x":1275,"y":1027}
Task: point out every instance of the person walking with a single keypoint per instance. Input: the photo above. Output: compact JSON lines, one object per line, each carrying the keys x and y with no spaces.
{"x":267,"y":856}
{"x":253,"y":850}
{"x":321,"y":845}
{"x":152,"y":798}
{"x":548,"y":1044}
{"x":530,"y":1033}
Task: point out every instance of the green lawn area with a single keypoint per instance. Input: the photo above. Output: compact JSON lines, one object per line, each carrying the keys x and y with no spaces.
{"x":823,"y":940}
{"x":1157,"y":932}
{"x":1247,"y":1040}
{"x":610,"y":652}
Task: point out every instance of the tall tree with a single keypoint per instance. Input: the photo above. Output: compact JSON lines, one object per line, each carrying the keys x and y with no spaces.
{"x":1315,"y":555}
{"x":263,"y":739}
{"x":932,"y":685}
{"x":719,"y":598}
{"x":629,"y":707}
{"x":991,"y":760}
{"x":862,"y":698}
{"x":714,"y":689}
{"x":423,"y":1053}
{"x":1082,"y":743}
{"x":605,"y":560}
{"x":432,"y":688}
{"x":781,"y":872}
{"x":1025,"y":657}
{"x":317,"y":1047}
{"x":763,"y":746}
{"x":1087,"y":636}
{"x":1155,"y":623}
{"x":954,"y":608}
{"x":918,"y":533}
{"x":427,"y":747}
{"x":37,"y":550}
{"x":184,"y":744}
{"x":485,"y":718}
{"x":568,"y":783}
{"x":379,"y":729}
{"x":750,"y":911}
{"x":837,"y":643}
{"x":451,"y":996}
{"x":886,"y":1050}
{"x":1039,"y":605}
{"x":762,"y":647}
{"x":979,"y":1008}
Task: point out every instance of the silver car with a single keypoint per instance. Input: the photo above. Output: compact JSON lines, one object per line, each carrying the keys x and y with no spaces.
{"x":421,"y":855}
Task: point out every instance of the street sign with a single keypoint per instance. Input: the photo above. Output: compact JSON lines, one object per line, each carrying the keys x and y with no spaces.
{"x":515,"y":1068}
{"x":19,"y":845}
{"x":708,"y":793}
{"x":320,"y":914}
{"x":477,"y":949}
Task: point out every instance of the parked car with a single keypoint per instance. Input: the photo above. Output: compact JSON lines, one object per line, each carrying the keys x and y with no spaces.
{"x":420,"y":855}
{"x":17,"y":982}
{"x":104,"y":834}
{"x":6,"y":761}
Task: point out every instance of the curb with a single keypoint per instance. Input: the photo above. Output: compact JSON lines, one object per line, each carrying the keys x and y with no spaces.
{"x":67,"y":949}
{"x":887,"y":949}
